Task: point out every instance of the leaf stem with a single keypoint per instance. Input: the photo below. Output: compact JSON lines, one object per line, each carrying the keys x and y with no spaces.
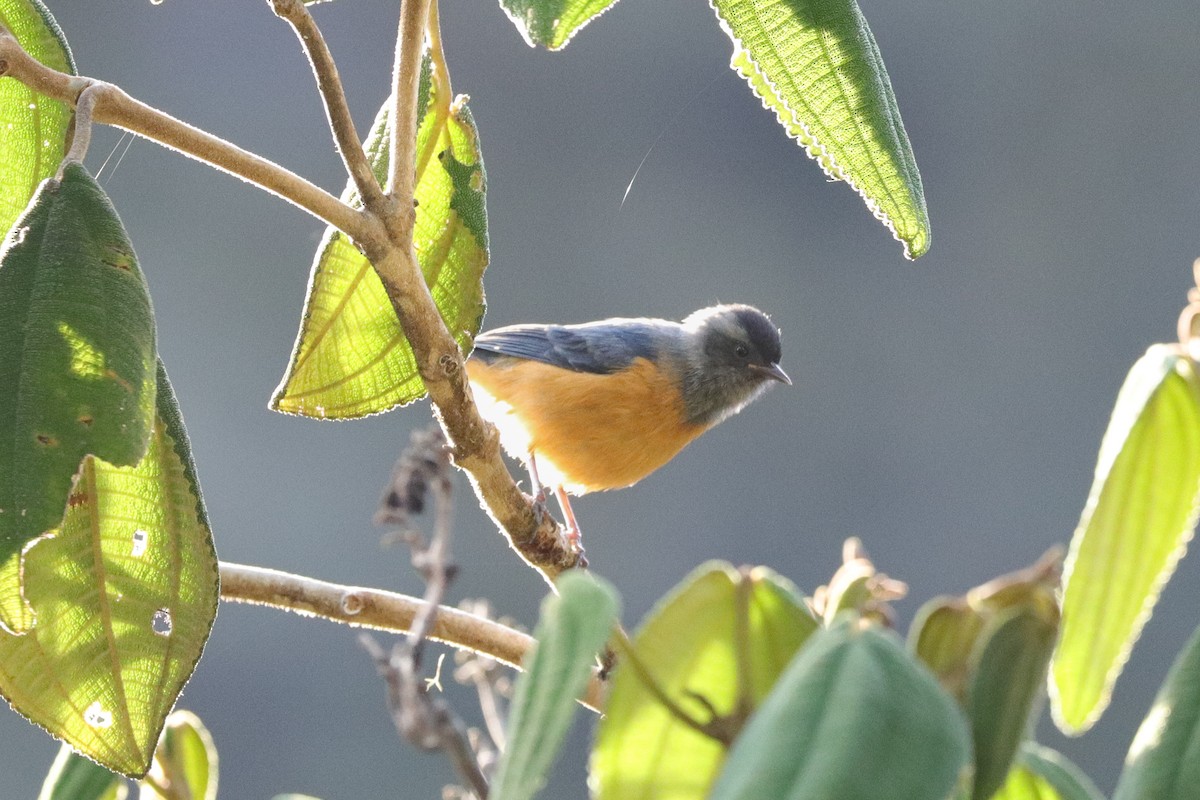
{"x":333,"y":96}
{"x":114,"y":107}
{"x":714,"y":728}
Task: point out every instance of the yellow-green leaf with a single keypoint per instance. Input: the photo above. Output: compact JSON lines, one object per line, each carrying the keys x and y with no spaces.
{"x":690,"y":644}
{"x":1043,"y":774}
{"x":1139,"y":516}
{"x":34,"y":125}
{"x":351,"y":358}
{"x":124,"y":594}
{"x":552,"y":23}
{"x":185,"y":763}
{"x":815,"y":64}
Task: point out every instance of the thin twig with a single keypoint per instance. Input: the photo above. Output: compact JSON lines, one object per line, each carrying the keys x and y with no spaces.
{"x":114,"y":107}
{"x":406,"y":75}
{"x":333,"y":96}
{"x":441,"y":75}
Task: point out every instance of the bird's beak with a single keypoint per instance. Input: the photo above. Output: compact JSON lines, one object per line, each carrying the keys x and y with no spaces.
{"x":774,"y":372}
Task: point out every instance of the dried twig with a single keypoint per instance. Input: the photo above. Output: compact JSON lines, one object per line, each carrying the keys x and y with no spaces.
{"x":422,"y":718}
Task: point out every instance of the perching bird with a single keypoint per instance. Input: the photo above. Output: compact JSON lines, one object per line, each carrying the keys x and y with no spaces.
{"x":602,"y":405}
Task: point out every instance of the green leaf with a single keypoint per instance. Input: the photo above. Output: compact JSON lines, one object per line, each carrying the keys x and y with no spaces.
{"x":943,"y":636}
{"x":1164,"y":759}
{"x":1005,"y":689}
{"x":185,"y":761}
{"x":76,"y":362}
{"x":815,"y":64}
{"x":573,"y":628}
{"x":1139,"y":516}
{"x":124,"y":593}
{"x":552,"y":23}
{"x":35,"y":126}
{"x":351,"y":358}
{"x":1042,"y":774}
{"x":689,"y":643}
{"x":851,"y":714}
{"x":73,"y":777}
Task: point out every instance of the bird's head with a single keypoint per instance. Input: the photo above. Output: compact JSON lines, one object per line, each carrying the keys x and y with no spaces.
{"x":734,"y":353}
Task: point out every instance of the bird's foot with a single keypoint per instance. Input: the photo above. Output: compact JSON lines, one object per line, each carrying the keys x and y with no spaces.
{"x":573,"y":540}
{"x":540,"y":510}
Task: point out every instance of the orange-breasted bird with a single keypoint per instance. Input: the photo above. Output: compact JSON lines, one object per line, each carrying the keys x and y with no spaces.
{"x":602,"y":405}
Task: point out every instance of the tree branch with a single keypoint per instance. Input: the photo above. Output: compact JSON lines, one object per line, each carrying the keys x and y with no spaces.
{"x":333,"y":96}
{"x":387,"y":243}
{"x":114,"y":107}
{"x":363,"y":607}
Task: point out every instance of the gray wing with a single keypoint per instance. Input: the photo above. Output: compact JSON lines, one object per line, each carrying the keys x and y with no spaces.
{"x":598,"y":347}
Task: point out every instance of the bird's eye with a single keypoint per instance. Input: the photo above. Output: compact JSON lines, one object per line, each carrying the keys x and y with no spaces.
{"x":741,"y":351}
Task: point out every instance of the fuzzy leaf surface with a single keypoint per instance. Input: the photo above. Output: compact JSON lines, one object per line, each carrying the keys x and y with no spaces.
{"x":815,"y":64}
{"x":35,"y":126}
{"x":124,"y":594}
{"x":77,"y":362}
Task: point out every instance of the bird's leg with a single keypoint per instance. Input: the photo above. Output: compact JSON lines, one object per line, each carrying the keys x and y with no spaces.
{"x":535,"y":483}
{"x":539,"y":492}
{"x":574,"y":535}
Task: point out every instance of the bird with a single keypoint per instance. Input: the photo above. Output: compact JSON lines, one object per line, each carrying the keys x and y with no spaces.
{"x":601,"y":405}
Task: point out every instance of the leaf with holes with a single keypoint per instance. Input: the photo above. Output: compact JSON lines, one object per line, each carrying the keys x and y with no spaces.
{"x":76,"y":362}
{"x":1139,"y":516}
{"x":690,"y":644}
{"x":124,"y":593}
{"x":815,"y":64}
{"x":553,"y":23}
{"x":351,"y":358}
{"x":73,"y":777}
{"x":35,"y":126}
{"x":572,"y":630}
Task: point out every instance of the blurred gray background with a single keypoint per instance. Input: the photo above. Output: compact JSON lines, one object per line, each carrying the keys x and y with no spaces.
{"x":947,"y":411}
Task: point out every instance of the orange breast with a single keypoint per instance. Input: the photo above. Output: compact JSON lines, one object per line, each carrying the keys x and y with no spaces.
{"x":589,"y":432}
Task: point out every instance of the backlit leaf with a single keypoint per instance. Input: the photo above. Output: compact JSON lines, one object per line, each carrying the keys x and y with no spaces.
{"x":1162,"y":763}
{"x":1042,"y":774}
{"x":573,"y":629}
{"x":690,"y":644}
{"x":76,"y":361}
{"x":815,"y":64}
{"x":552,"y":23}
{"x":34,"y":125}
{"x":73,"y":777}
{"x":1139,"y":516}
{"x":185,"y":761}
{"x":351,"y":358}
{"x":124,"y":594}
